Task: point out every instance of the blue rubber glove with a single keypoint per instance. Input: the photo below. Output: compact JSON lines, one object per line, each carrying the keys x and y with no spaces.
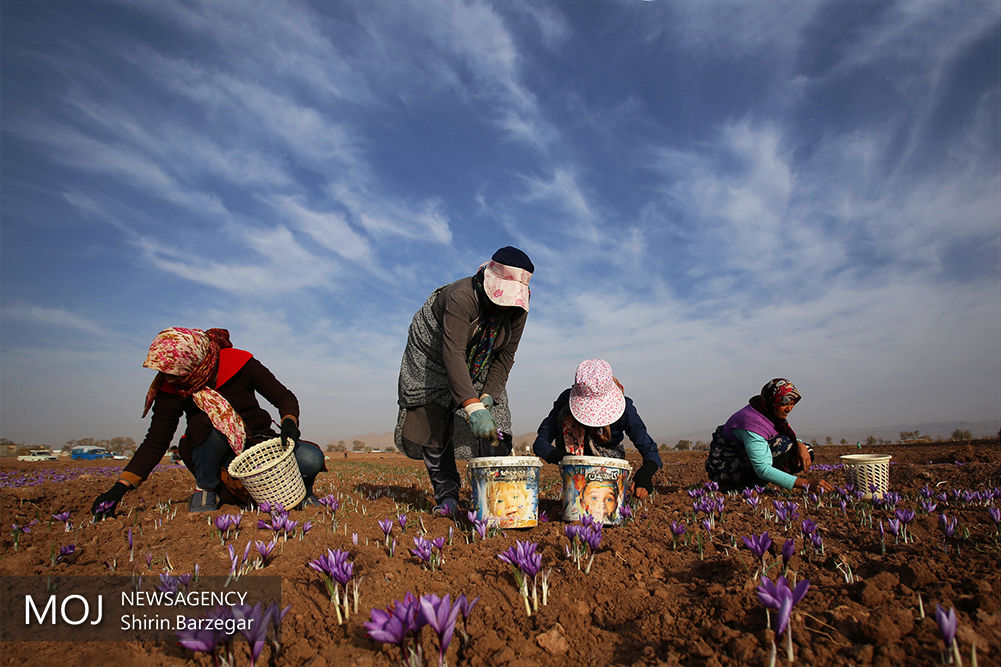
{"x":482,"y":424}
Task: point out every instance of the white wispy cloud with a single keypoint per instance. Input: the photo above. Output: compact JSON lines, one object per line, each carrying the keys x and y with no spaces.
{"x":49,"y":316}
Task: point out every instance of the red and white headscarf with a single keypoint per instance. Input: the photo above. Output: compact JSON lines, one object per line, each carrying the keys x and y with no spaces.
{"x":189,"y":359}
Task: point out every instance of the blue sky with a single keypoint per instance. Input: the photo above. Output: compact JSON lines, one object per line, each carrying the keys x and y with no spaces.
{"x":713,"y":193}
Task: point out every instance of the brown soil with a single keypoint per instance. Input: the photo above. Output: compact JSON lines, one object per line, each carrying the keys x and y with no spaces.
{"x":643,"y":601}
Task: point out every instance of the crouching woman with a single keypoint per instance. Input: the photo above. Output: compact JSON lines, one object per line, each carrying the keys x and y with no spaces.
{"x":201,"y":376}
{"x":757,"y":446}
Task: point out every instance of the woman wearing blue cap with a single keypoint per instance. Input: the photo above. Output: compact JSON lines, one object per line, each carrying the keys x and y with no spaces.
{"x":460,"y":350}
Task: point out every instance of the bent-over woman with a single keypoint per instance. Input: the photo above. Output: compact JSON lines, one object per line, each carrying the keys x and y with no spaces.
{"x":202,"y":377}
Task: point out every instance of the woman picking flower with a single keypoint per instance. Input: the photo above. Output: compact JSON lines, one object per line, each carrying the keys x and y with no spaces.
{"x":460,"y":349}
{"x":757,"y":445}
{"x":591,"y":418}
{"x":202,"y":376}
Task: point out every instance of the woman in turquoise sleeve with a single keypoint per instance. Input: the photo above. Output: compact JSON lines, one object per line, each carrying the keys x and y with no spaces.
{"x":757,"y":445}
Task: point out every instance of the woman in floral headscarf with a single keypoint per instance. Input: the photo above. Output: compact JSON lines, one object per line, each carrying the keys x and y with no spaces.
{"x":202,"y":376}
{"x":757,"y":445}
{"x":591,"y":418}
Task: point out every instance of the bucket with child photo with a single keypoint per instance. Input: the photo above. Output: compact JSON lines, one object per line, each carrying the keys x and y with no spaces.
{"x":594,"y":485}
{"x":506,"y":490}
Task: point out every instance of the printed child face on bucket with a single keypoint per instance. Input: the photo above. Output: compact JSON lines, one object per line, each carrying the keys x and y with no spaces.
{"x":599,"y":499}
{"x":508,"y":502}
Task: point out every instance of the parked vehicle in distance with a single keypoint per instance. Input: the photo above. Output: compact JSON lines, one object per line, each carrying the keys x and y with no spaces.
{"x":90,"y":452}
{"x":37,"y":455}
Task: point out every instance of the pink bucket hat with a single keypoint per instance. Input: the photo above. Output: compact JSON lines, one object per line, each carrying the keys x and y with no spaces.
{"x":595,"y":399}
{"x":506,"y":276}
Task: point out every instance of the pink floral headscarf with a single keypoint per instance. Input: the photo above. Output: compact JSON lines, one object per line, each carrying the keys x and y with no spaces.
{"x":189,"y":359}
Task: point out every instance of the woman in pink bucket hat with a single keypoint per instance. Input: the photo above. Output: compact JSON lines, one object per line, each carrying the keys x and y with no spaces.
{"x":591,"y":418}
{"x":460,"y":349}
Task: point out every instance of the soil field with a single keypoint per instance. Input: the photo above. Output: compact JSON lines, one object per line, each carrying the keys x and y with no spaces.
{"x":649,"y":598}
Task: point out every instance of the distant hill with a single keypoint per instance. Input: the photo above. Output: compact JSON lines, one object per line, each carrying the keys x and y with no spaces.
{"x":943,"y":430}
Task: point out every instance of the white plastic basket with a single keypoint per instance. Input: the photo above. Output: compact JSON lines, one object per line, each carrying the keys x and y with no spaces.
{"x":865,"y":470}
{"x":270,"y":473}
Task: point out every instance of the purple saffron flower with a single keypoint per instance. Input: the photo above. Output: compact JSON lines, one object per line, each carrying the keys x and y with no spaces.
{"x":946,"y":624}
{"x":678,"y":528}
{"x":995,"y":515}
{"x":894,"y":527}
{"x":438,"y":543}
{"x":778,"y":596}
{"x":466,"y":606}
{"x":626,"y":512}
{"x":816,"y":541}
{"x":387,"y":627}
{"x":222,"y":523}
{"x":422,"y":549}
{"x":591,"y":536}
{"x":441,"y":615}
{"x":904,"y":516}
{"x":788,"y":549}
{"x":402,"y":520}
{"x":928,"y":507}
{"x":128,"y":537}
{"x":523,"y":556}
{"x":386,"y":525}
{"x":481,"y":528}
{"x":758,"y":544}
{"x":65,"y":552}
{"x":62,"y":516}
{"x":265,"y":550}
{"x":809,"y":527}
{"x":331,"y":503}
{"x":948,"y":525}
{"x":335,"y":565}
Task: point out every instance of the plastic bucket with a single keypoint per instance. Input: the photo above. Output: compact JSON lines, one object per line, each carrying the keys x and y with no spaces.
{"x":270,"y":473}
{"x":594,"y":485}
{"x":506,"y":489}
{"x":868,"y":470}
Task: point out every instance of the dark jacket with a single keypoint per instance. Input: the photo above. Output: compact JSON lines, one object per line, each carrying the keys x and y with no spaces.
{"x":459,"y":310}
{"x":242,"y":378}
{"x":550,"y":431}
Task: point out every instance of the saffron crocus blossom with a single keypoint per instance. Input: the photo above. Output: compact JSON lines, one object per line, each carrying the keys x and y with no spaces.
{"x":677,"y":530}
{"x":395,"y":625}
{"x":947,"y":626}
{"x":779,"y":597}
{"x":330,"y":503}
{"x":440,"y":614}
{"x":387,"y":527}
{"x":788,"y":549}
{"x":758,"y":544}
{"x":255,"y":630}
{"x":65,"y":552}
{"x":525,"y":562}
{"x":265,"y":552}
{"x":64,"y":517}
{"x":995,"y":515}
{"x":927,"y":506}
{"x":808,"y":527}
{"x":424,"y":552}
{"x":402,"y":520}
{"x":905,"y":517}
{"x":337,"y":571}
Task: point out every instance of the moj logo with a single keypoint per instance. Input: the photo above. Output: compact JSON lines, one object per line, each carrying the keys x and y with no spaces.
{"x":73,"y":610}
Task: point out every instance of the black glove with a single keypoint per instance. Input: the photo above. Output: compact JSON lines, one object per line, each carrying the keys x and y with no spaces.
{"x":644,"y":476}
{"x":554,"y":456}
{"x":289,"y":430}
{"x":101,"y":508}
